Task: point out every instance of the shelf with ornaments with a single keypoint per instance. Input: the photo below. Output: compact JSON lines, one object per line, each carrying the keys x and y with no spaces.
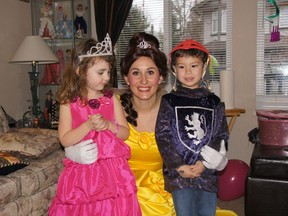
{"x":60,"y":20}
{"x":62,"y":24}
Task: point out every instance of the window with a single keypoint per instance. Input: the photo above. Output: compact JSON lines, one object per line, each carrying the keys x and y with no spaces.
{"x":172,"y":21}
{"x":215,"y":22}
{"x":223,"y":21}
{"x":283,"y":16}
{"x":272,"y":56}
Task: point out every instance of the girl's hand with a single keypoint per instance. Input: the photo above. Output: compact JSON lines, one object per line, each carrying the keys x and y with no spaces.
{"x":98,"y":122}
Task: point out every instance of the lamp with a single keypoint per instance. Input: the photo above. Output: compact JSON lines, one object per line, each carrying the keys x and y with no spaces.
{"x":33,"y":50}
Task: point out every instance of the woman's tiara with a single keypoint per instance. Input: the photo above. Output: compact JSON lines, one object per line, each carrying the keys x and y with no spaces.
{"x":103,"y":48}
{"x":144,"y":45}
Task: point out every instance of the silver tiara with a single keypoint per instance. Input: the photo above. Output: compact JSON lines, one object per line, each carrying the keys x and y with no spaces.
{"x":143,"y":45}
{"x":103,"y":48}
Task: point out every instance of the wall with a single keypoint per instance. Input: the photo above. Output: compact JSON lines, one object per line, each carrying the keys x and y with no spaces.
{"x":244,"y":67}
{"x":14,"y":82}
{"x":15,"y":24}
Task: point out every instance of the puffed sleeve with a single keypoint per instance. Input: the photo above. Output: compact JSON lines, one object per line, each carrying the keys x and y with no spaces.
{"x":221,"y":131}
{"x":164,"y":136}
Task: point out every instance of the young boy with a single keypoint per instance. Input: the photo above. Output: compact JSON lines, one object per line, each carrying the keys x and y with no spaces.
{"x":191,"y":133}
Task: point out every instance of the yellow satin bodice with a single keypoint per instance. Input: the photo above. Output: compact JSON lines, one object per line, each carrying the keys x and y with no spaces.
{"x":146,"y":164}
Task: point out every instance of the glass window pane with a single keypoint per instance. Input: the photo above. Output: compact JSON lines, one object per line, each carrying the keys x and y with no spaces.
{"x":171,"y":21}
{"x":272,"y":56}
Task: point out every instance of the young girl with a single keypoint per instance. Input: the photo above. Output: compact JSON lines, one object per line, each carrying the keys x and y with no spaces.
{"x":88,"y":111}
{"x":191,"y":132}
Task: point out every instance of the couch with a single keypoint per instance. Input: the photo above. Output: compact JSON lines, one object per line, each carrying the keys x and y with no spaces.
{"x":30,"y":164}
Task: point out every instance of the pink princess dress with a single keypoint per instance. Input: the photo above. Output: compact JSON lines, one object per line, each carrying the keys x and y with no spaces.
{"x":106,"y":187}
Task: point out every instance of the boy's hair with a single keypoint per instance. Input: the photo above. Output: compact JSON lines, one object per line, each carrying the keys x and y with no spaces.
{"x":73,"y":84}
{"x":188,"y":48}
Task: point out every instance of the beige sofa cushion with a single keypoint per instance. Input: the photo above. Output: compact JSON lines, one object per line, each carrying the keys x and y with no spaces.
{"x":9,"y":190}
{"x":40,"y":174}
{"x":33,"y":143}
{"x":34,"y":205}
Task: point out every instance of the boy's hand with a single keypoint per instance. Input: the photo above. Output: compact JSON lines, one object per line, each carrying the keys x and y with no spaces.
{"x":185,"y":171}
{"x":197,"y":169}
{"x":191,"y":171}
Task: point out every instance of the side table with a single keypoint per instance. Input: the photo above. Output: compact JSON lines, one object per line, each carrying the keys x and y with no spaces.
{"x":233,"y":113}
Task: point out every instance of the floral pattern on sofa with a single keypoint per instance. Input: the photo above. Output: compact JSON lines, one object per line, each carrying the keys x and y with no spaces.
{"x":30,"y":190}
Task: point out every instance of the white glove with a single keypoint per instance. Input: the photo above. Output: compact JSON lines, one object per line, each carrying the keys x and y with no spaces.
{"x":85,"y":152}
{"x":214,"y":159}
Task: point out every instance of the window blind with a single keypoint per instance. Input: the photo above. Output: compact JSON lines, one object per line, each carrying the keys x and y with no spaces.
{"x":171,"y":21}
{"x":272,"y":56}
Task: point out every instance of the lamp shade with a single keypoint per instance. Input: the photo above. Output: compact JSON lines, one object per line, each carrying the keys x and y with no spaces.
{"x":34,"y":49}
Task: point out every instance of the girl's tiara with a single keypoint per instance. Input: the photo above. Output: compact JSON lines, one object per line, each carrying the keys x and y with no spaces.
{"x":103,"y":48}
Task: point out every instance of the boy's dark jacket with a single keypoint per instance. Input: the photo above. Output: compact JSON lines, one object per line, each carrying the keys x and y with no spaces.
{"x":189,"y":119}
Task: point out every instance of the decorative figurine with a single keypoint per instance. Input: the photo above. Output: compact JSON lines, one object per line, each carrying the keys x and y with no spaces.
{"x":54,"y":114}
{"x":52,"y":72}
{"x":48,"y":107}
{"x":68,"y":56}
{"x":46,"y":26}
{"x":79,"y":22}
{"x":274,"y":22}
{"x":63,"y":23}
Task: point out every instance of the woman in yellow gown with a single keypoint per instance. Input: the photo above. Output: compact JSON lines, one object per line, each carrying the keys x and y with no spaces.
{"x":143,"y":68}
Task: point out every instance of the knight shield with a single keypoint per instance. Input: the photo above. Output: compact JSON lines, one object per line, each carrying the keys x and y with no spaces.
{"x":194,"y":126}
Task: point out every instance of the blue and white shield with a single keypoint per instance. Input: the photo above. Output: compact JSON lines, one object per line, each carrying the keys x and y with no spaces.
{"x":194,"y":126}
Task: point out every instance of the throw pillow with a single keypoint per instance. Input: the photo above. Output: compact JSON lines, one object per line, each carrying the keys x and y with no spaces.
{"x":10,"y":163}
{"x":43,"y":131}
{"x":33,"y":144}
{"x":4,"y":127}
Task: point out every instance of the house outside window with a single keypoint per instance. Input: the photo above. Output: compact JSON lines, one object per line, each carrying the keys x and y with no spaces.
{"x":171,"y":21}
{"x":223,"y":21}
{"x":215,"y":22}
